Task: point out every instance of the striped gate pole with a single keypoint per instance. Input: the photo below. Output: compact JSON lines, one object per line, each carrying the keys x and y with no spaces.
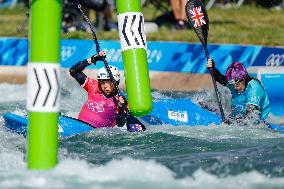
{"x":133,"y":46}
{"x":43,"y":84}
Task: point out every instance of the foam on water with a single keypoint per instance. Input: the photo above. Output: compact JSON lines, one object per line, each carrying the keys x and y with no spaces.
{"x":12,"y":93}
{"x":11,"y":150}
{"x":216,"y":133}
{"x":122,"y":173}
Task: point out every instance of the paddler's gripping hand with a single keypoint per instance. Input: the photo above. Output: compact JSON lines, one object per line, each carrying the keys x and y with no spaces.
{"x":93,"y":59}
{"x":121,"y":119}
{"x":101,"y":56}
{"x":122,"y":102}
{"x":210,"y":63}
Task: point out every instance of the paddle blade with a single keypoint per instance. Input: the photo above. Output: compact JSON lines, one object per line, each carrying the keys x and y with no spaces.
{"x":198,"y":19}
{"x":134,"y":125}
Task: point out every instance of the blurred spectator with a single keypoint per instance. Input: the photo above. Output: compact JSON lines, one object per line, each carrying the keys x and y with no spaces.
{"x":173,"y":11}
{"x":103,"y":11}
{"x":269,"y":3}
{"x":26,"y":3}
{"x":178,"y":8}
{"x":72,"y":19}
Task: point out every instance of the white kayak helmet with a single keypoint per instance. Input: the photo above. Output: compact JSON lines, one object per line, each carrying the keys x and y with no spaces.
{"x":103,"y":74}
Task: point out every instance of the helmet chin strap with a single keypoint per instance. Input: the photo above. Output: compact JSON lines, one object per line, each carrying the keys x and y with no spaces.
{"x":113,"y":94}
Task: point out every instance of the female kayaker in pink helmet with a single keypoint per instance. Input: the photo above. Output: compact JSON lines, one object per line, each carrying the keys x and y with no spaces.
{"x":249,"y":97}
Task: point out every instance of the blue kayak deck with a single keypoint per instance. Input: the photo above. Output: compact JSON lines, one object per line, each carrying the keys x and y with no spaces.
{"x":67,"y":126}
{"x":175,"y":112}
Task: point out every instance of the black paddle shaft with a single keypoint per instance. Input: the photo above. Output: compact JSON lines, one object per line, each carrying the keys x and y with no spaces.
{"x":198,"y":19}
{"x":98,"y":48}
{"x":214,"y":84}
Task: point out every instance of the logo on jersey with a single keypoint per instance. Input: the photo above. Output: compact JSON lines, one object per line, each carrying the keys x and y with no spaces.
{"x":95,"y":106}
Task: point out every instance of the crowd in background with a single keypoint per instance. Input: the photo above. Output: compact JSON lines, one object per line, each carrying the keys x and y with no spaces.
{"x":177,"y":15}
{"x":171,"y":12}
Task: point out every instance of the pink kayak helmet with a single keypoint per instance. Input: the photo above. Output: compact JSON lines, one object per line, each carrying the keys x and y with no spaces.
{"x":236,"y":72}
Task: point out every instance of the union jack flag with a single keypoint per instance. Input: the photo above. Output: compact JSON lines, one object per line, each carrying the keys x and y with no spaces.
{"x":197,"y":16}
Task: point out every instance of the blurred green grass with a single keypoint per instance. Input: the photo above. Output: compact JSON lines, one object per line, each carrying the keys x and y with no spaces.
{"x":248,"y":25}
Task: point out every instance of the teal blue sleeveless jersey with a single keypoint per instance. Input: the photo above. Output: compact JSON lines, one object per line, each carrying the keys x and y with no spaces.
{"x":253,"y":94}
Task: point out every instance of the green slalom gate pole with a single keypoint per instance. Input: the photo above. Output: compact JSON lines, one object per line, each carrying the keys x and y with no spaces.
{"x":43,"y":84}
{"x":133,"y":46}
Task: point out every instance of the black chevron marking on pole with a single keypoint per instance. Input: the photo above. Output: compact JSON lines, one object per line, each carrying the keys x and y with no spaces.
{"x":131,"y":29}
{"x":140,"y":29}
{"x":123,"y":31}
{"x":39,"y":87}
{"x":46,"y":75}
{"x":57,"y":92}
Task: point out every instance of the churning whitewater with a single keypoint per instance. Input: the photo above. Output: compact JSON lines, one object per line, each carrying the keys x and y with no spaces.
{"x":164,"y":156}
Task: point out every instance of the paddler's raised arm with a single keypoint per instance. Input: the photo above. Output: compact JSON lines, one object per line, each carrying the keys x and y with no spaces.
{"x":76,"y":71}
{"x":220,"y":78}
